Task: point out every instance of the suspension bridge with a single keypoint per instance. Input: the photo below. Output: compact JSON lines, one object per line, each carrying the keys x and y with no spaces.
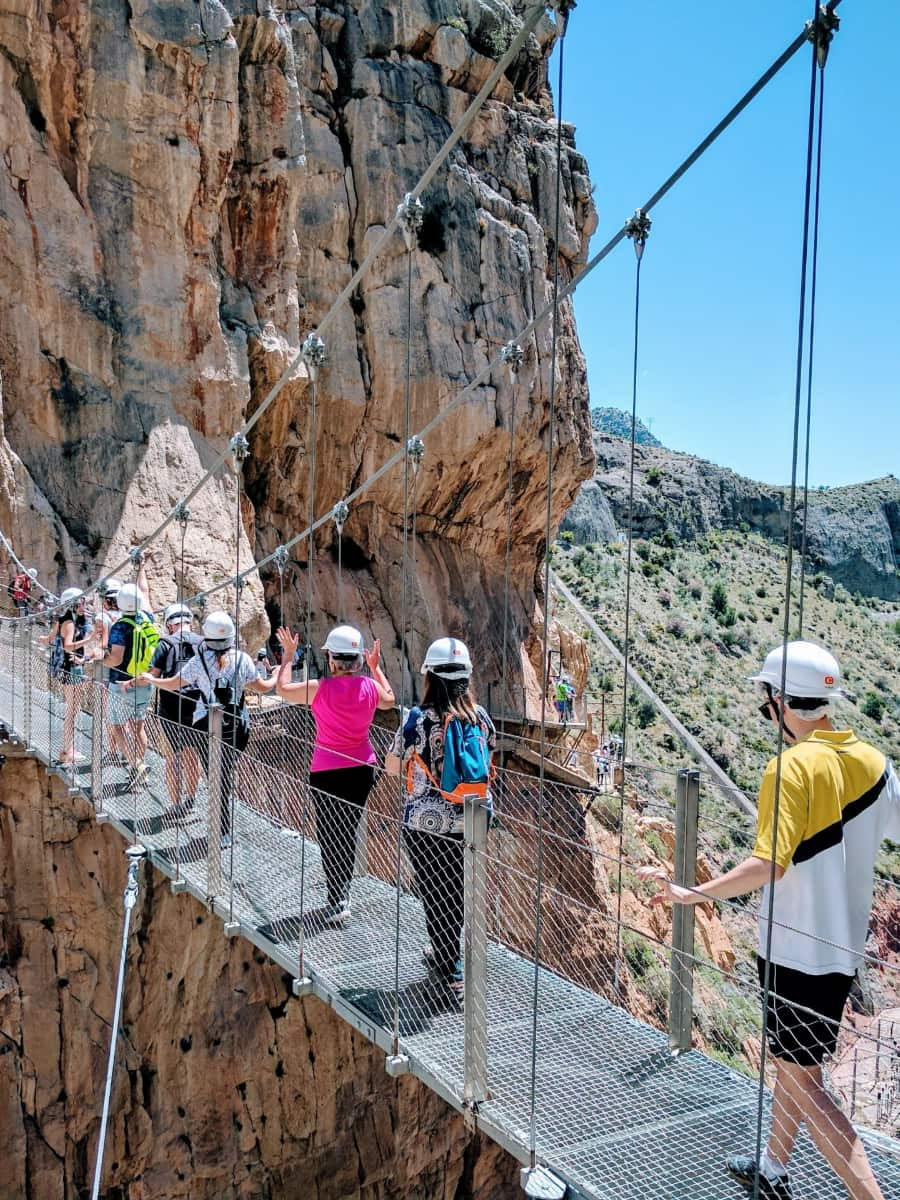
{"x":543,"y":1053}
{"x":552,"y":1052}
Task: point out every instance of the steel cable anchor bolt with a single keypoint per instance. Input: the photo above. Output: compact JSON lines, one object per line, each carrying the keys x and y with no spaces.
{"x":638,"y":229}
{"x":314,"y":355}
{"x":410,"y":215}
{"x":821,"y":32}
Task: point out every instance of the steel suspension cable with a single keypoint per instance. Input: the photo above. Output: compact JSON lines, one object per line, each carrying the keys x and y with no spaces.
{"x":786,"y":626}
{"x":183,"y":518}
{"x":563,"y":21}
{"x":638,"y":228}
{"x":136,"y":856}
{"x":565,"y":291}
{"x":811,"y":347}
{"x":314,"y":356}
{"x":529,"y":328}
{"x":240,"y":448}
{"x":513,"y":356}
{"x":409,"y":215}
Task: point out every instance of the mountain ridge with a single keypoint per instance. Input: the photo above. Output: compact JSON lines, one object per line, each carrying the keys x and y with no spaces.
{"x":852,"y":531}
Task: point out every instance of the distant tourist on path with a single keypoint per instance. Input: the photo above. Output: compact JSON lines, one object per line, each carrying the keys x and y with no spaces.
{"x":342,"y":771}
{"x":839,"y":797}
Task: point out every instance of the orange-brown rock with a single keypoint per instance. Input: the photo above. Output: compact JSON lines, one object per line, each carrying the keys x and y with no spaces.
{"x":227,"y":1087}
{"x":184,"y":189}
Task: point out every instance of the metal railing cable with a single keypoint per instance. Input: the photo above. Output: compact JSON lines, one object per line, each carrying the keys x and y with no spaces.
{"x":638,"y":229}
{"x":513,"y":356}
{"x":812,"y":333}
{"x":409,"y":215}
{"x":786,"y":626}
{"x":545,"y":631}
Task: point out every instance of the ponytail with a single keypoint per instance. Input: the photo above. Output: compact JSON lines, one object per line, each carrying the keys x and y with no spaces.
{"x":453,"y":697}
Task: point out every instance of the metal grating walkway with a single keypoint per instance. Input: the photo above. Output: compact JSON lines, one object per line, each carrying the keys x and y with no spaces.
{"x":616,"y":1115}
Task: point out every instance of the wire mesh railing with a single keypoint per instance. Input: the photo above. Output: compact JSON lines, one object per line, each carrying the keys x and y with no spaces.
{"x":564,"y":1046}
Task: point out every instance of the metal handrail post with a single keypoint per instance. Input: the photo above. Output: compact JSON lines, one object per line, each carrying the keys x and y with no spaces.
{"x":475,"y":1078}
{"x":97,"y":727}
{"x":28,"y":680}
{"x":214,"y":812}
{"x":681,"y":979}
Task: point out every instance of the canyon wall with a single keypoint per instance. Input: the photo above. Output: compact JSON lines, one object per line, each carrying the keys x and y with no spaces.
{"x":227,"y":1087}
{"x":184,"y":189}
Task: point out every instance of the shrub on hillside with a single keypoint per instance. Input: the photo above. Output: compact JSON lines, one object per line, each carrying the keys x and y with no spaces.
{"x":676,"y":627}
{"x":718,"y":600}
{"x":873,"y":706}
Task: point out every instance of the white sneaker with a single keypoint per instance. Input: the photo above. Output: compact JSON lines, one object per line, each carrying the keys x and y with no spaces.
{"x":336,"y":915}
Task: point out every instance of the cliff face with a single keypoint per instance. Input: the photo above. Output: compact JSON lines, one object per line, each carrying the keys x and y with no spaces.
{"x":183,"y":191}
{"x":853,"y":533}
{"x":227,"y":1087}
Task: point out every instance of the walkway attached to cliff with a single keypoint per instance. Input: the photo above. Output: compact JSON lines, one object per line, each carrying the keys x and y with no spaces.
{"x":594,"y":1092}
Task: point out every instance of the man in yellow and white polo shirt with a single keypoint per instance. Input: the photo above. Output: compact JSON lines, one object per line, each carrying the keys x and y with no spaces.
{"x":825,"y":804}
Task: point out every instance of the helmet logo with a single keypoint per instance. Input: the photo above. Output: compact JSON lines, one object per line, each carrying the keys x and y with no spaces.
{"x":829,"y":681}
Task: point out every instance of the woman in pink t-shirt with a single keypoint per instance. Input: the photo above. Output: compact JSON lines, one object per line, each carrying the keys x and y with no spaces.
{"x":342,"y":771}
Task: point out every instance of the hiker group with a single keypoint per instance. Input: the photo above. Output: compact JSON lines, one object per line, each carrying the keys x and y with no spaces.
{"x":442,"y":748}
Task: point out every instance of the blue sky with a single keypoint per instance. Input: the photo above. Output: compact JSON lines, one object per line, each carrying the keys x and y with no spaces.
{"x":720,"y":278}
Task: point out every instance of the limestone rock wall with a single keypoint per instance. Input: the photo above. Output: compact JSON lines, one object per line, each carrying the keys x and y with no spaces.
{"x":227,"y":1087}
{"x":184,"y":188}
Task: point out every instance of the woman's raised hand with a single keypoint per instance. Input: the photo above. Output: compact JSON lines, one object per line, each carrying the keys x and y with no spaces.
{"x":373,"y":656}
{"x":289,"y":643}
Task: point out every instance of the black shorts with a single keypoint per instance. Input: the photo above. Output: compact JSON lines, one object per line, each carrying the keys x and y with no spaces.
{"x":796,"y":1034}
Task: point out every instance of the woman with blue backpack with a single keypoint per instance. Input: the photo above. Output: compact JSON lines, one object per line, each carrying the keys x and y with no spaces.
{"x":444,"y":748}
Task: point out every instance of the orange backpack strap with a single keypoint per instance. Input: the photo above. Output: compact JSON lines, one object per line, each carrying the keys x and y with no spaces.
{"x":415,"y":759}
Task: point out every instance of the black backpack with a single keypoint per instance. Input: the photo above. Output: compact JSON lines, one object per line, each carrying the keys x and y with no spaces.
{"x":235,"y":718}
{"x":178,"y":706}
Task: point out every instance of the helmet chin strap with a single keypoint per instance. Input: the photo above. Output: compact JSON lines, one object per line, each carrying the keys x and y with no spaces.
{"x":770,"y":711}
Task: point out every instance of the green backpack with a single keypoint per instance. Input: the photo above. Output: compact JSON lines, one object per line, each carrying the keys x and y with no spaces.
{"x":144,"y":641}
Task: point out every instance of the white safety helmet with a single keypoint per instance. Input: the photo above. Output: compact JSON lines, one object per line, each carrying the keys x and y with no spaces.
{"x":812,"y":672}
{"x":71,"y":595}
{"x":109,"y":588}
{"x":345,"y":642}
{"x":31,"y":573}
{"x":218,"y":631}
{"x":130,"y":599}
{"x":178,"y":614}
{"x":448,"y":657}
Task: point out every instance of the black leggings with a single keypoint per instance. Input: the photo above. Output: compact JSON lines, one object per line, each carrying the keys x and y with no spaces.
{"x":438,"y":862}
{"x":340,"y":797}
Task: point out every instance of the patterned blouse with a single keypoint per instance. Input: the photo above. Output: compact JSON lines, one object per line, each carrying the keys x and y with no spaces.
{"x":422,"y":733}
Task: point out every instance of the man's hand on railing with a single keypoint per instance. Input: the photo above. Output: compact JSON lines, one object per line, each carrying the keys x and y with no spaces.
{"x":669,"y":893}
